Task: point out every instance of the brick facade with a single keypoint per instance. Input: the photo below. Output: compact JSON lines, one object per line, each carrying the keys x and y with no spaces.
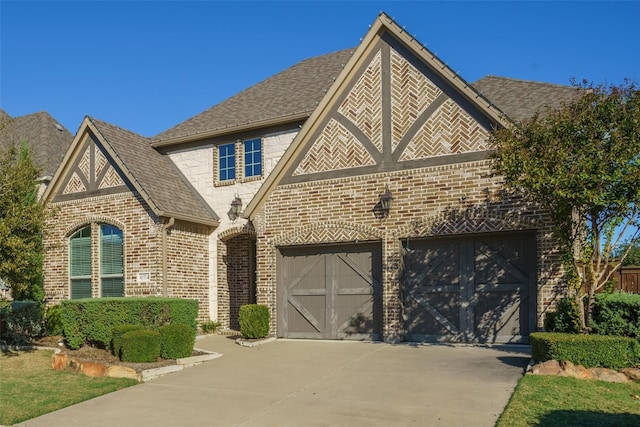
{"x":446,"y":200}
{"x":186,"y":247}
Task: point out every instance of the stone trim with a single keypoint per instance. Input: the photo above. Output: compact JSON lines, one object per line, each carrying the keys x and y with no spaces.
{"x":232,"y":232}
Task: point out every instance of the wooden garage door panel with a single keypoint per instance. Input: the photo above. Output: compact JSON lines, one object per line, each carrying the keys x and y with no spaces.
{"x":346,"y":277}
{"x":470,"y":289}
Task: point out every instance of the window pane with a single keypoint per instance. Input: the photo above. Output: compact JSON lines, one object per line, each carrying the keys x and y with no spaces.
{"x":226,"y":162}
{"x":111,"y":259}
{"x":253,"y":157}
{"x":112,"y":287}
{"x":80,"y":288}
{"x":80,"y":253}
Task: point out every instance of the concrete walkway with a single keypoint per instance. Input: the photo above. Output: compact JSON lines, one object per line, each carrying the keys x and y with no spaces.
{"x":311,"y":383}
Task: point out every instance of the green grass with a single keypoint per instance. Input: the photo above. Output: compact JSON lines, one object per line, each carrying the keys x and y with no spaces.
{"x":29,"y":386}
{"x":547,"y":401}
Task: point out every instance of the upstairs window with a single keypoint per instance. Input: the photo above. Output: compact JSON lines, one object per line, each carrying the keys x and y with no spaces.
{"x":227,"y":162}
{"x":252,"y":157}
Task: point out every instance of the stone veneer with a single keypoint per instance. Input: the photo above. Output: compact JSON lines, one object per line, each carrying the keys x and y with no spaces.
{"x":186,"y":245}
{"x":432,"y":201}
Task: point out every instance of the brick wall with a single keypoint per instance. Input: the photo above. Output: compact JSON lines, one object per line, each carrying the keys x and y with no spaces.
{"x":235,"y":278}
{"x":187,"y":249}
{"x":442,"y":200}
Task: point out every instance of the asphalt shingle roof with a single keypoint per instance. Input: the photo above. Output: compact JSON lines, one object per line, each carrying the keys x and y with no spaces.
{"x":521,"y":99}
{"x":155,"y":173}
{"x":297,"y":89}
{"x":47,"y":139}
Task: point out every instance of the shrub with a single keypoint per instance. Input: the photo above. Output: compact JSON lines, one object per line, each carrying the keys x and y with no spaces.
{"x":176,"y":341}
{"x":254,"y":321}
{"x":22,"y":322}
{"x":586,"y":350}
{"x":92,"y":320}
{"x":117,"y":333}
{"x":209,"y":327}
{"x":139,"y":346}
{"x":617,"y":314}
{"x":53,"y":320}
{"x":565,"y":319}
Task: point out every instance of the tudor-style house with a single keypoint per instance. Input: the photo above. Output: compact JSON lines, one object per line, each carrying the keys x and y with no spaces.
{"x":352,"y":194}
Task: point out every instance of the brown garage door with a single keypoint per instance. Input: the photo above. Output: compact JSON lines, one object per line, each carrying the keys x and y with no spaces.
{"x":330,"y":292}
{"x":471,"y":289}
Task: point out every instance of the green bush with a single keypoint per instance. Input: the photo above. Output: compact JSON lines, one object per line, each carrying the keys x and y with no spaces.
{"x":176,"y":341}
{"x":22,"y":322}
{"x":209,"y":327}
{"x":617,"y":314}
{"x":117,"y":333}
{"x":53,"y":320}
{"x":586,"y":350}
{"x":254,"y":321}
{"x":92,"y":320}
{"x":140,"y":346}
{"x":565,"y":319}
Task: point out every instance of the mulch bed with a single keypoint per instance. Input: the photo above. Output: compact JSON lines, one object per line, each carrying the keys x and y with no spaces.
{"x":100,"y":355}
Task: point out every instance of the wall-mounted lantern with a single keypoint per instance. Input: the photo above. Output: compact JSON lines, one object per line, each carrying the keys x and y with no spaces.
{"x":386,"y":200}
{"x":236,"y":207}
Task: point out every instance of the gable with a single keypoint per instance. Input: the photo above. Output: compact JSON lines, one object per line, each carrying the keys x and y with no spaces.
{"x":396,"y":112}
{"x":92,"y":173}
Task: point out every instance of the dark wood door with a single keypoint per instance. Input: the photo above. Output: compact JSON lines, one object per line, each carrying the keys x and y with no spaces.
{"x":330,"y":292}
{"x":470,"y":289}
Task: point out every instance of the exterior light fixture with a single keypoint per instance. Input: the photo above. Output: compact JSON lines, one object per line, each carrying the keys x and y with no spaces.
{"x":385,"y":201}
{"x":236,"y":207}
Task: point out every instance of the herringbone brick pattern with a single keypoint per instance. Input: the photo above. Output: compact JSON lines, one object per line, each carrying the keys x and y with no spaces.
{"x":100,"y":161}
{"x":411,"y":93}
{"x":336,"y":148}
{"x":85,"y":162}
{"x":75,"y":185}
{"x":111,"y":179}
{"x":449,"y":130}
{"x":362,"y":106}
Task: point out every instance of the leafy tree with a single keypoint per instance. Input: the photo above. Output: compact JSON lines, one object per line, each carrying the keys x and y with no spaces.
{"x":632,"y":251}
{"x":21,"y":224}
{"x":582,"y":163}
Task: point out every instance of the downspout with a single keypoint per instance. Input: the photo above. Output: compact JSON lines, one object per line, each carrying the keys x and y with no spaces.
{"x":165,"y":233}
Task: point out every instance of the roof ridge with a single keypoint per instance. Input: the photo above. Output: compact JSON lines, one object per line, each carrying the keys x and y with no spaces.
{"x":95,"y":119}
{"x":514,"y":79}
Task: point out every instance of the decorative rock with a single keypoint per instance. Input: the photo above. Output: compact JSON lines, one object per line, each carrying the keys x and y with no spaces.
{"x":121,"y":372}
{"x":575,"y":371}
{"x":92,"y":369}
{"x":632,"y":373}
{"x":609,"y":375}
{"x":550,"y":367}
{"x":59,"y":361}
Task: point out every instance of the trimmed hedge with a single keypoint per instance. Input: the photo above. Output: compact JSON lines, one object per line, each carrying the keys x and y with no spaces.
{"x":91,"y":320}
{"x":140,"y":346}
{"x":565,"y":318}
{"x":117,"y":333}
{"x":586,"y":350}
{"x":176,"y":341}
{"x":617,"y":314}
{"x":254,"y":321}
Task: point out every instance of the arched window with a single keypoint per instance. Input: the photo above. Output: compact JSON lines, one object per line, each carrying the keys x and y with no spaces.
{"x":80,"y":263}
{"x":109,"y":246}
{"x":111,"y":261}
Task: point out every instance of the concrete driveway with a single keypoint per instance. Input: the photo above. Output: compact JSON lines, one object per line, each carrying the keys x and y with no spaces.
{"x":312,"y":383}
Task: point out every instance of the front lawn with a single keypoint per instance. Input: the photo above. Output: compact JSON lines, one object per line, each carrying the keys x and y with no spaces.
{"x":547,"y":401}
{"x":29,"y":387}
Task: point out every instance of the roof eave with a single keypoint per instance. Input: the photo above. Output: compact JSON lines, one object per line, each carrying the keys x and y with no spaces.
{"x":212,"y":223}
{"x":231,"y":129}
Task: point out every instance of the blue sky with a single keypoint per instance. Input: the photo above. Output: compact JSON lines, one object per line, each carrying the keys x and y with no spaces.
{"x":148,"y":65}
